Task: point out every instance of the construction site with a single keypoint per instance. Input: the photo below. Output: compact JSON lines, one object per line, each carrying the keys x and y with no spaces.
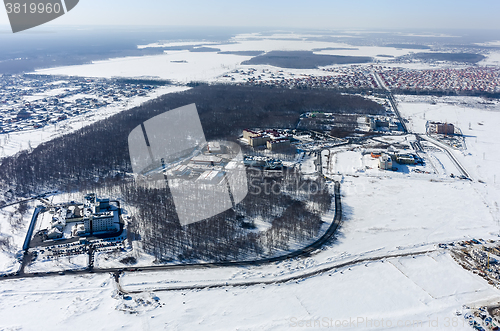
{"x":482,"y":258}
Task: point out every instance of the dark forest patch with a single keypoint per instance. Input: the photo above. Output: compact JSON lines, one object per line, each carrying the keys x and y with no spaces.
{"x":408,"y":46}
{"x":204,"y":49}
{"x":335,"y":49}
{"x":303,"y":59}
{"x":243,"y":53}
{"x":452,"y":57}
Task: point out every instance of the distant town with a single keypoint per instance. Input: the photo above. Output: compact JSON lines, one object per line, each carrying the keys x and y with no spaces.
{"x":34,"y":101}
{"x":364,"y":77}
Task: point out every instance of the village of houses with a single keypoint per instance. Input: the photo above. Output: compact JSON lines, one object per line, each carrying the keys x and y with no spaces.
{"x":30,"y":102}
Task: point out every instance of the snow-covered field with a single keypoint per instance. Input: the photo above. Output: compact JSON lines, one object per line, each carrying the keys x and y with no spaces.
{"x":13,"y":227}
{"x":388,"y":214}
{"x":382,"y":217}
{"x":479,"y":120}
{"x":62,"y":263}
{"x":424,"y":292}
{"x":492,"y":59}
{"x":198,"y":66}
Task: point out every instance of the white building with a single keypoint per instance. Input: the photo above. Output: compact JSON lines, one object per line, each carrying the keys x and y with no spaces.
{"x":54,"y":233}
{"x":78,"y":229}
{"x":214,"y":147}
{"x":278,"y":144}
{"x":211,"y":177}
{"x":385,"y":162}
{"x":180,"y":170}
{"x":206,"y":159}
{"x":102,"y":222}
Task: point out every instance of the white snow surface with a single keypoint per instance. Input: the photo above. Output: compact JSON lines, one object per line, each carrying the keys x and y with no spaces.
{"x":479,"y":120}
{"x":428,"y":290}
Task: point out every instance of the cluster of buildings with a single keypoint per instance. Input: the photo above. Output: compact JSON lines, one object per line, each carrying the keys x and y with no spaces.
{"x":386,"y":161}
{"x":354,"y":76}
{"x":273,"y":140}
{"x":262,"y":162}
{"x":317,"y":121}
{"x":381,"y":123}
{"x":474,"y":79}
{"x":94,"y":216}
{"x":348,"y":77}
{"x":203,"y":169}
{"x":32,"y":102}
{"x":313,"y":141}
{"x":210,"y":166}
{"x":484,"y":79}
{"x":252,"y":74}
{"x":439,"y":128}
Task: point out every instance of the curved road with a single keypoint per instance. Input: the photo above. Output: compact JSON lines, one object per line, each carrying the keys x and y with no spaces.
{"x":273,"y":281}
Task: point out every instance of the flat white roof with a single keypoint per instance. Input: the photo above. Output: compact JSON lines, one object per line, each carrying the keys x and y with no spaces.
{"x":206,"y":158}
{"x":210,"y":175}
{"x":232,"y":165}
{"x":213,"y":145}
{"x":179,"y":168}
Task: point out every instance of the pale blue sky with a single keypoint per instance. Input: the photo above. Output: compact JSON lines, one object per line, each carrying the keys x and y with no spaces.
{"x":396,"y":14}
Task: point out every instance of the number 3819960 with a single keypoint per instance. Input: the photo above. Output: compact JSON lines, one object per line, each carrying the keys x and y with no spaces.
{"x":32,"y":8}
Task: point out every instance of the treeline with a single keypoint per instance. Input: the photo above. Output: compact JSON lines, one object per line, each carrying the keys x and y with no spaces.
{"x":304,"y":59}
{"x":453,"y":57}
{"x":439,"y":93}
{"x":142,"y":81}
{"x":333,"y":89}
{"x":99,"y":152}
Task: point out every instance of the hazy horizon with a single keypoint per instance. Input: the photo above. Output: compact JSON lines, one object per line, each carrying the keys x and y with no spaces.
{"x":317,"y":14}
